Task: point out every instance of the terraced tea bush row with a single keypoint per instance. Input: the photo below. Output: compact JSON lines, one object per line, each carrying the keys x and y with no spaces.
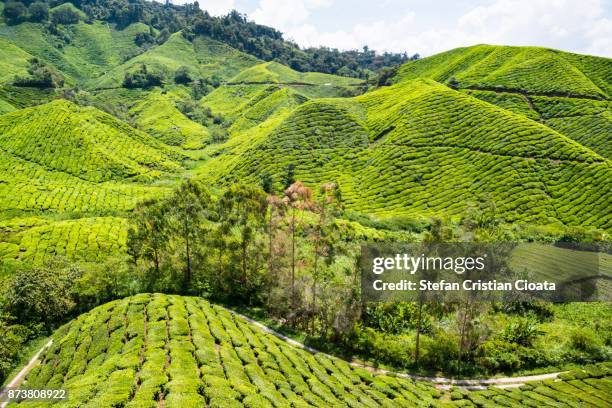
{"x":36,"y":240}
{"x":149,"y":350}
{"x":587,"y":122}
{"x":589,"y":387}
{"x":21,"y":97}
{"x":100,"y":148}
{"x":511,"y":101}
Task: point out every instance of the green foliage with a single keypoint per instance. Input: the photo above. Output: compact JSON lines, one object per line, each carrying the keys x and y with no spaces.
{"x":40,"y":294}
{"x":14,"y":11}
{"x":12,"y":338}
{"x":41,"y":76}
{"x":66,"y":13}
{"x":142,"y":78}
{"x":38,"y":11}
{"x":521,"y":331}
{"x":182,"y":76}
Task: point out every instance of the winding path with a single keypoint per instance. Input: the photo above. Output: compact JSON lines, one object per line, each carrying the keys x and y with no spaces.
{"x":18,"y":379}
{"x":443,"y":382}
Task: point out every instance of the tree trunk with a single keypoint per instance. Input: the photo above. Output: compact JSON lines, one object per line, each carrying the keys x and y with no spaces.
{"x":417,"y":347}
{"x":293,"y":300}
{"x":188,"y":268}
{"x":270,"y":254}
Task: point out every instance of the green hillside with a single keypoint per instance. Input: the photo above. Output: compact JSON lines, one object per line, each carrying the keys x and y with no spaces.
{"x":528,"y":69}
{"x":312,"y":84}
{"x":91,"y":50}
{"x":449,"y":150}
{"x":13,"y":61}
{"x":157,"y":115}
{"x":202,"y":58}
{"x":58,"y":160}
{"x":173,"y":351}
{"x":100,"y":148}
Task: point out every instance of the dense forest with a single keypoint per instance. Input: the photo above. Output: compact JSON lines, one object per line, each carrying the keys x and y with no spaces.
{"x":233,"y":29}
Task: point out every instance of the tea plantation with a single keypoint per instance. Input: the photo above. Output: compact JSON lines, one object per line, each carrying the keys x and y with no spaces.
{"x":433,"y":160}
{"x":164,"y":350}
{"x":532,"y":70}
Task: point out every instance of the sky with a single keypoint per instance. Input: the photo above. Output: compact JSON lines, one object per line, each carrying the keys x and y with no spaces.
{"x":428,"y":27}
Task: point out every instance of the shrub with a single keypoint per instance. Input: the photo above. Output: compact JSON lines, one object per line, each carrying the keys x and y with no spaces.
{"x":142,"y":78}
{"x":14,"y":11}
{"x":41,"y":294}
{"x":219,"y":135}
{"x":182,"y":76}
{"x":41,"y":76}
{"x":521,"y":331}
{"x":143,"y":39}
{"x":585,"y":340}
{"x":65,"y":14}
{"x":499,"y":355}
{"x":38,"y":11}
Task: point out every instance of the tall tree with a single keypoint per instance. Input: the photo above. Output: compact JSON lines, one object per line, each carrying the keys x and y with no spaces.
{"x":323,"y":236}
{"x":243,"y":209}
{"x":148,"y":238}
{"x":189,"y":208}
{"x":276,"y":211}
{"x":299,"y":198}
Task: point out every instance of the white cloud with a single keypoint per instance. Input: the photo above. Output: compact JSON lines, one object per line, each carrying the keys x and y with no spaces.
{"x":600,"y":37}
{"x":564,"y":24}
{"x":283,"y":15}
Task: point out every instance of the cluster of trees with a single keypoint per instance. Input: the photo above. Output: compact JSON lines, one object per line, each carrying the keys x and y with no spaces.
{"x":249,"y":247}
{"x":233,"y":29}
{"x":41,"y":75}
{"x":19,"y":11}
{"x":16,"y":12}
{"x":142,"y":77}
{"x":268,"y":44}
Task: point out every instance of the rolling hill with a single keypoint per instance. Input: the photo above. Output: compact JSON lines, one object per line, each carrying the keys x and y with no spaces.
{"x":570,"y":93}
{"x":99,"y":147}
{"x":532,"y":70}
{"x":59,"y":160}
{"x":421,"y":148}
{"x":163,"y":350}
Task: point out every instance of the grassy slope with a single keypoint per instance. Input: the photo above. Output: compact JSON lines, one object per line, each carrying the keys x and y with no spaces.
{"x":312,"y":84}
{"x":449,"y":150}
{"x":93,"y":50}
{"x":523,"y":71}
{"x":145,"y":349}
